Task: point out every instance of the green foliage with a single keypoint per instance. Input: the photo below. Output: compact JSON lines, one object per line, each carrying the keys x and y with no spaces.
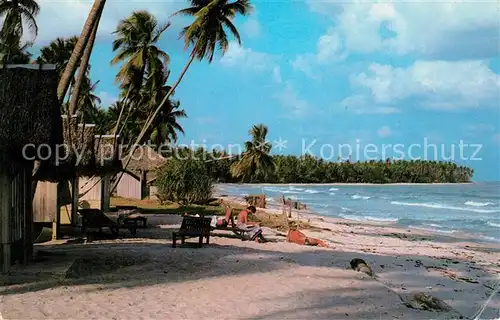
{"x":185,"y":181}
{"x":256,"y":162}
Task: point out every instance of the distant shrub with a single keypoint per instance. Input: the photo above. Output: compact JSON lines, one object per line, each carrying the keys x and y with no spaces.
{"x":184,"y":181}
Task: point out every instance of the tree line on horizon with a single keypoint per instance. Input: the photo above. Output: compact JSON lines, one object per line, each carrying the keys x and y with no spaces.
{"x":188,"y":175}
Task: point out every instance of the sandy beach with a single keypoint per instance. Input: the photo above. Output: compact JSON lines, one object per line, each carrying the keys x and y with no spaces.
{"x":145,"y":278}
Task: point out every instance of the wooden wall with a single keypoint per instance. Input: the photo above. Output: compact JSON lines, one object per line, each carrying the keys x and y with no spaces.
{"x":129,"y":187}
{"x":15,"y":218}
{"x":91,"y":188}
{"x":45,"y":202}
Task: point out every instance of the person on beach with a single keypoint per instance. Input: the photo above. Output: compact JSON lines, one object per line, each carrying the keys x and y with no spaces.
{"x":253,"y":230}
{"x":227,"y":210}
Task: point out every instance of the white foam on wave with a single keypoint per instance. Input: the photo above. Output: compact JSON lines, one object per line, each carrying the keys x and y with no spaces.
{"x":431,"y":229}
{"x":311,"y":191}
{"x":296,"y":189}
{"x":368,"y":218}
{"x":357,"y":196}
{"x":440,"y":206}
{"x":492,"y":224}
{"x":333,"y":189}
{"x":478,"y":204}
{"x":332,"y":193}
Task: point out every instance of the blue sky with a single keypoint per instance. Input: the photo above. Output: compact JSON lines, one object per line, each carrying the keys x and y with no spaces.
{"x":331,"y":73}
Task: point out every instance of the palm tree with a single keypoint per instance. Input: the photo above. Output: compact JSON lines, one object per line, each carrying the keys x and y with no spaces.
{"x":205,"y":34}
{"x":15,"y":12}
{"x":83,"y":68}
{"x":136,"y":44}
{"x":165,"y":127}
{"x":76,"y":55}
{"x":10,"y":54}
{"x":256,"y":162}
{"x":58,"y":52}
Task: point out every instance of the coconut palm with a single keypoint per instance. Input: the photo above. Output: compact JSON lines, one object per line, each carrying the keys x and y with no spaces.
{"x":58,"y":52}
{"x":136,"y":45}
{"x":14,"y":14}
{"x":10,"y":54}
{"x":204,"y":35}
{"x":76,"y":55}
{"x":256,"y":162}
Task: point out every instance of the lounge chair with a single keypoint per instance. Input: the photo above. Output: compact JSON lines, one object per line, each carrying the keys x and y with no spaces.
{"x":193,"y":227}
{"x":96,"y":219}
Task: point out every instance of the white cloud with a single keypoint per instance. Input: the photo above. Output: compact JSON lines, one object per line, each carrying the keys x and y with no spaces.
{"x":239,"y":56}
{"x":360,"y":104}
{"x":66,"y":18}
{"x":294,"y":106}
{"x":384,"y":131}
{"x":436,"y":84}
{"x":252,"y":28}
{"x":106,"y":98}
{"x":304,"y":63}
{"x":436,"y":30}
{"x":277,"y":74}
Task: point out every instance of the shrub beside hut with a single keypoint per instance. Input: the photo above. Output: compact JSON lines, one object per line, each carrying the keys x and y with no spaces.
{"x":31,"y":129}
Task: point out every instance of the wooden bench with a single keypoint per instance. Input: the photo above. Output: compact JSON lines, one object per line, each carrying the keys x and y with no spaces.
{"x":96,"y":219}
{"x":193,"y":227}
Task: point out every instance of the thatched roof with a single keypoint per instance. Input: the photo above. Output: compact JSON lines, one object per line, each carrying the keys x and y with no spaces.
{"x":85,"y":154}
{"x":144,"y":159}
{"x":29,"y":112}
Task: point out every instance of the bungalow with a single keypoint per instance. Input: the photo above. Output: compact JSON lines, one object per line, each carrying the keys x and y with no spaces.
{"x":30,"y":131}
{"x":137,"y":179}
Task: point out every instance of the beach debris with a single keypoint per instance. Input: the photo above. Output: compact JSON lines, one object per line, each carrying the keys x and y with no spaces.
{"x":422,"y":301}
{"x":360,"y":265}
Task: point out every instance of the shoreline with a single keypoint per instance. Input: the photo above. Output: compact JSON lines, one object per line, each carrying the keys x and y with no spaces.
{"x":351,"y":184}
{"x":310,"y":216}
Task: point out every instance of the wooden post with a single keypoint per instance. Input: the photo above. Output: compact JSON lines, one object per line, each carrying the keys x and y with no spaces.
{"x":74,"y":201}
{"x":105,"y":194}
{"x":28,"y":216}
{"x":5,"y":203}
{"x":56,"y":223}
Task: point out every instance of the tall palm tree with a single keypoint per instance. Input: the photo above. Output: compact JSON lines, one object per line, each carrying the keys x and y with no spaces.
{"x":76,"y":55}
{"x":14,"y":54}
{"x":205,"y":34}
{"x":256,"y":162}
{"x":136,"y":45}
{"x":15,"y":12}
{"x":83,"y":68}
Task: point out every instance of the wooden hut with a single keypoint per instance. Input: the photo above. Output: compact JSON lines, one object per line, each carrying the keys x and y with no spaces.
{"x":137,"y":179}
{"x":91,"y":161}
{"x":31,"y":129}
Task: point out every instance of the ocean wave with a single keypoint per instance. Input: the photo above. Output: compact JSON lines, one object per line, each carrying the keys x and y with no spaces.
{"x":432,"y":229}
{"x":333,"y":189}
{"x":332,"y":193}
{"x":440,"y":206}
{"x":367,"y":218}
{"x":296,"y":189}
{"x":492,"y":224}
{"x":478,"y":204}
{"x":311,"y":191}
{"x":357,"y":196}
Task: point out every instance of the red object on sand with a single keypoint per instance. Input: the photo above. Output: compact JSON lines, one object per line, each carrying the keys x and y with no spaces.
{"x":298,"y":237}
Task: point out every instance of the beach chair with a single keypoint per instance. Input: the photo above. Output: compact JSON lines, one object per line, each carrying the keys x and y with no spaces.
{"x":193,"y":227}
{"x":96,"y":219}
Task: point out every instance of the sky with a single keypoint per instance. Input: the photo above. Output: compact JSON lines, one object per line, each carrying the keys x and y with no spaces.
{"x":421,"y":78}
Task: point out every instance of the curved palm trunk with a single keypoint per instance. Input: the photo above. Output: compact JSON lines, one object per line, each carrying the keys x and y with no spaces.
{"x":82,"y":70}
{"x":71,"y":66}
{"x":151,"y":118}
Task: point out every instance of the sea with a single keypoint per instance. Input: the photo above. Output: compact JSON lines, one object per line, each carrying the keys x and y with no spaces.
{"x":462,"y":209}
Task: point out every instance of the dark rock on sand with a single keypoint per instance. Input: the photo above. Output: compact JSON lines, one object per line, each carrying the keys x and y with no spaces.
{"x":361,"y":266}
